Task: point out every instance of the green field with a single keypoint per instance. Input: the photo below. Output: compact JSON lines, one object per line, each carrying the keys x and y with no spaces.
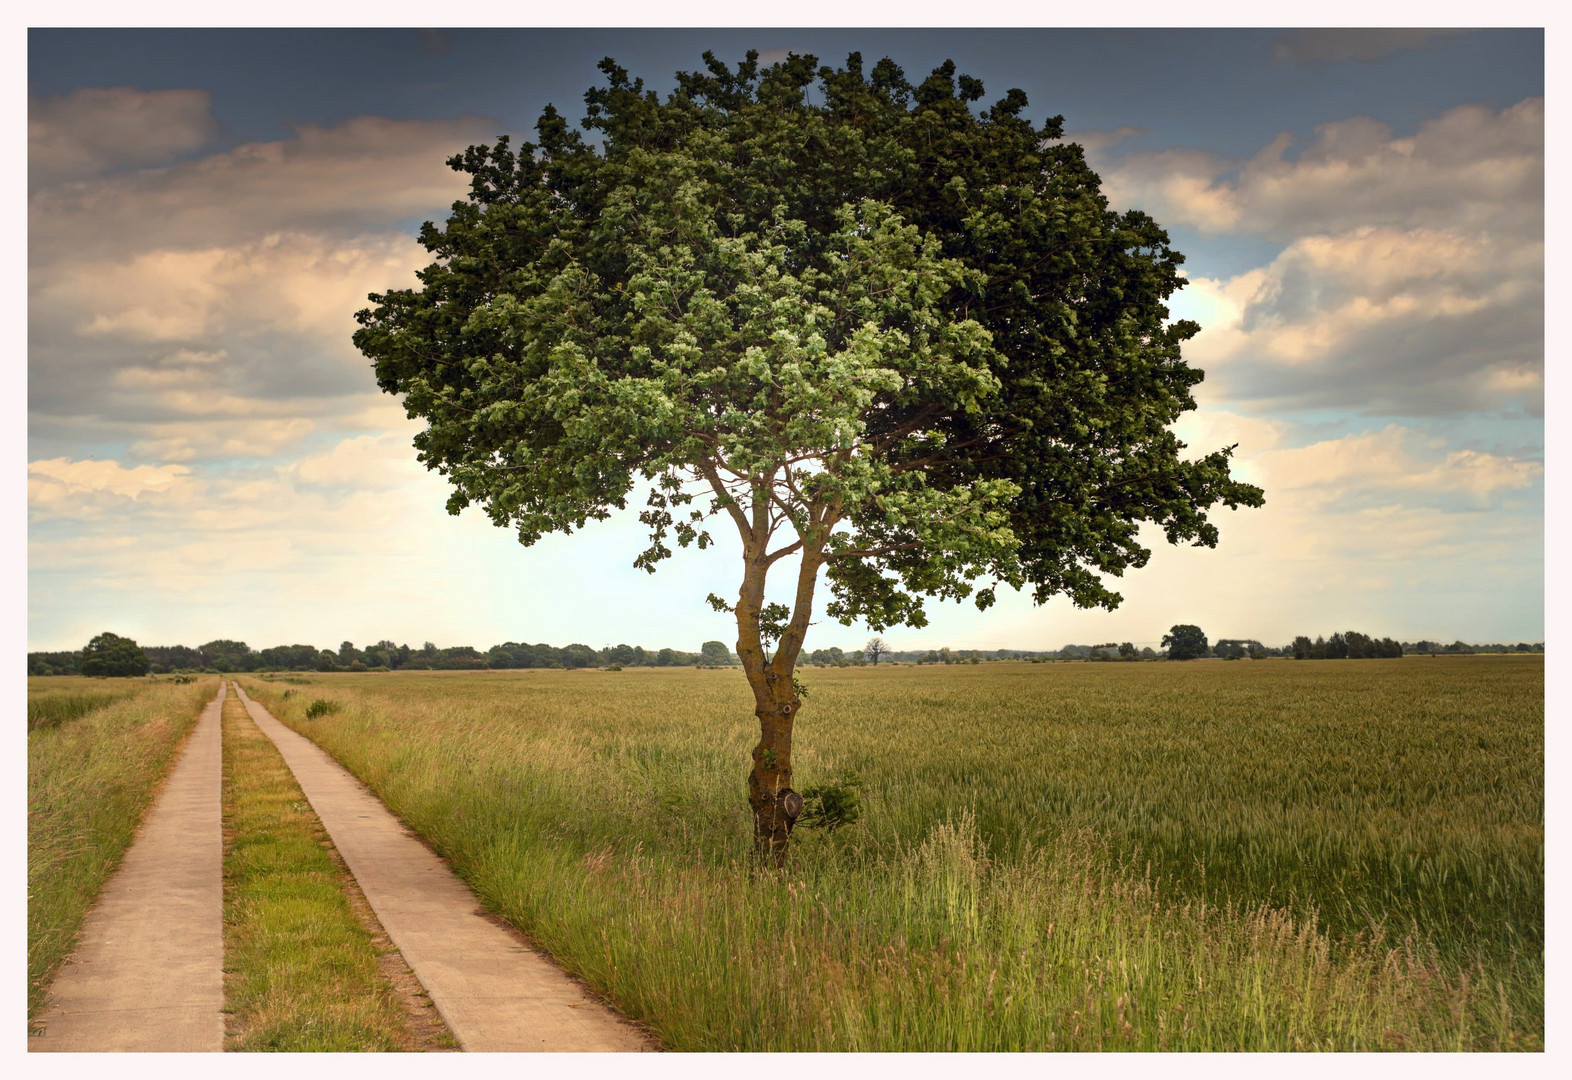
{"x":1251,"y":855}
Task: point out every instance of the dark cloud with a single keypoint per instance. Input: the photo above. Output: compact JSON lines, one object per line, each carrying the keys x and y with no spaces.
{"x":1411,"y":282}
{"x":97,"y":130}
{"x":1331,"y":45}
{"x":435,"y":43}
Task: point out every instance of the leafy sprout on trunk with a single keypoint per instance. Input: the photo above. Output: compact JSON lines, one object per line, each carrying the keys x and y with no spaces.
{"x":900,"y":341}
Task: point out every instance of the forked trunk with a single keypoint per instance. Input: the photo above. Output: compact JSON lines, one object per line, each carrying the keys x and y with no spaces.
{"x":775,"y":805}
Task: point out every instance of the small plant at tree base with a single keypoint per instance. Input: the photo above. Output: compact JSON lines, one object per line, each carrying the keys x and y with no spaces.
{"x":829,"y":806}
{"x":887,"y":334}
{"x":321,"y":707}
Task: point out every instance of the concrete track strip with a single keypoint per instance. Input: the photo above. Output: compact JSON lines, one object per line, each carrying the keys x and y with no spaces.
{"x":494,"y":993}
{"x":148,"y":971}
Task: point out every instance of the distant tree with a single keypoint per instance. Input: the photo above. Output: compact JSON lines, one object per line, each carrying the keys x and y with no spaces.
{"x":875,"y":649}
{"x":715,"y":654}
{"x":225,"y":656}
{"x":1185,"y":642}
{"x":288,"y":658}
{"x":113,"y":655}
{"x":1127,"y":650}
{"x":579,"y":656}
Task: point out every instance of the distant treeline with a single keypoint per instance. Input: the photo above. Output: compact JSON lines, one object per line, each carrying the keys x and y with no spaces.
{"x":225,"y":656}
{"x":1348,"y":645}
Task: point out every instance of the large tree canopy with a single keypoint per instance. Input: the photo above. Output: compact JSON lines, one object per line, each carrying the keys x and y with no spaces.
{"x":898,"y":336}
{"x":113,"y":655}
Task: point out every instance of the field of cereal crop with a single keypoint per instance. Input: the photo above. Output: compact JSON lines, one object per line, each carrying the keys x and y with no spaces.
{"x":1249,"y":855}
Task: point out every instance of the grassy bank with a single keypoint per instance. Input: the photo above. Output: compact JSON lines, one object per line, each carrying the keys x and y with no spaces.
{"x":90,"y":779}
{"x":1207,"y":856}
{"x":301,"y":971}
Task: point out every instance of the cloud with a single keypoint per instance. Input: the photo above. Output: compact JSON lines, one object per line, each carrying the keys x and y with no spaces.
{"x":1379,"y":320}
{"x":435,"y":43}
{"x":1393,"y":466}
{"x":96,"y":130}
{"x":188,"y":298}
{"x":1333,"y":45}
{"x":61,"y":486}
{"x":258,"y":329}
{"x":1468,"y":170}
{"x":367,"y":173}
{"x":234,"y":438}
{"x":1411,"y":280}
{"x":320,"y":516}
{"x":365,"y":463}
{"x":221,"y":290}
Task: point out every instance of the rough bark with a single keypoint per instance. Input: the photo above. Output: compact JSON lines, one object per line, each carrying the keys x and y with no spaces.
{"x":775,"y":804}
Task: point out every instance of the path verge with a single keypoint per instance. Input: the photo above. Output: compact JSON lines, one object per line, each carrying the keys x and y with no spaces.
{"x":147,"y":972}
{"x":494,"y":993}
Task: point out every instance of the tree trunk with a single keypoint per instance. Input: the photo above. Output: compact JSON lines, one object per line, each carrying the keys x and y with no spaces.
{"x":775,"y":805}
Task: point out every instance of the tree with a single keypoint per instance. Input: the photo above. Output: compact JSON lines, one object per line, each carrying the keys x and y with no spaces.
{"x":875,"y":649}
{"x":715,"y":654}
{"x":1184,"y":642}
{"x":225,"y":655}
{"x":902,"y":342}
{"x":113,"y":655}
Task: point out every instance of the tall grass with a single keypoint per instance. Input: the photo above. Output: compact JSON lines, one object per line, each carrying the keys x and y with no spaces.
{"x":89,"y":782}
{"x":301,"y":972}
{"x":1209,"y":856}
{"x":53,"y":705}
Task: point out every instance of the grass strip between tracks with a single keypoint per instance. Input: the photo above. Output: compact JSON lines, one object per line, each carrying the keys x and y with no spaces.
{"x":301,"y":971}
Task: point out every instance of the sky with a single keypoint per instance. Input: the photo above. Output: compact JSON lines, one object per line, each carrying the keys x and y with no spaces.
{"x":1362,"y":215}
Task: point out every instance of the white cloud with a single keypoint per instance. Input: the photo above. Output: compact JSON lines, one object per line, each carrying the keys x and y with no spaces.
{"x":308,"y":283}
{"x":61,"y":486}
{"x":1395,"y":466}
{"x":1380,"y":320}
{"x":235,"y":437}
{"x":364,"y":463}
{"x":95,"y":130}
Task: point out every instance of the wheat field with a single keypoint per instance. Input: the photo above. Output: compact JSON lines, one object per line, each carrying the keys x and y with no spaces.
{"x":1215,"y":855}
